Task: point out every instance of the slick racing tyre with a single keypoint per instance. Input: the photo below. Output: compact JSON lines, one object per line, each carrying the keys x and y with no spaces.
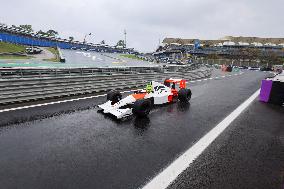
{"x":114,"y":96}
{"x":184,"y":95}
{"x":141,"y":108}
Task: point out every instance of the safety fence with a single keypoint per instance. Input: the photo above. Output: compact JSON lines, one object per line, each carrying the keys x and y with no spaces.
{"x":30,"y":89}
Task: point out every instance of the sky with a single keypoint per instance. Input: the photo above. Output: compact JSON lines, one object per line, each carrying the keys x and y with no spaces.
{"x":148,"y":21}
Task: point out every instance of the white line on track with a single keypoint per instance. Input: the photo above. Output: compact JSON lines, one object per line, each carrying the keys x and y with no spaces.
{"x":223,"y":76}
{"x":170,"y":173}
{"x":205,"y":79}
{"x":56,"y":102}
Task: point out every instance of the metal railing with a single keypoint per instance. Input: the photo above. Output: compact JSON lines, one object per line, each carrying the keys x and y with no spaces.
{"x":12,"y":73}
{"x":27,"y":89}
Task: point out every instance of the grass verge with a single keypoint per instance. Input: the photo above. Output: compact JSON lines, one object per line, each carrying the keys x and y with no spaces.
{"x":14,"y":57}
{"x":131,"y":56}
{"x":55,"y":52}
{"x":11,"y":48}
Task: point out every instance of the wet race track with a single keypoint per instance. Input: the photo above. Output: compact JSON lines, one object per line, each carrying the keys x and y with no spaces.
{"x":79,"y":59}
{"x":71,"y":145}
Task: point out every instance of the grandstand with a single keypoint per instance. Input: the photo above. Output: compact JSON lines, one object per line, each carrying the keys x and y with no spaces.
{"x":226,"y":47}
{"x":230,"y":41}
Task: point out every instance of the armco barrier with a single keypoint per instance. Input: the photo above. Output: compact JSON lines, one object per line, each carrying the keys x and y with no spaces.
{"x":13,"y":73}
{"x":26,"y":89}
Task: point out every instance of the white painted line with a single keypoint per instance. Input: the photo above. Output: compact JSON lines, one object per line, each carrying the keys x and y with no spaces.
{"x":170,"y":173}
{"x":199,"y":80}
{"x":210,"y":78}
{"x":192,"y":81}
{"x":205,"y":79}
{"x":56,"y":102}
{"x":223,"y":76}
{"x":216,"y":77}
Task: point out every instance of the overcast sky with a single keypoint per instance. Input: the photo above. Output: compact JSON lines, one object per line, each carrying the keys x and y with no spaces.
{"x":148,"y":20}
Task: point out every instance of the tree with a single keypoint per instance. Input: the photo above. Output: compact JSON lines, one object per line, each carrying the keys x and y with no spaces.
{"x":213,"y":56}
{"x":120,"y":43}
{"x":26,"y":27}
{"x":272,"y":58}
{"x":52,"y":33}
{"x":160,"y":48}
{"x":71,"y":38}
{"x":41,"y":32}
{"x":103,"y":42}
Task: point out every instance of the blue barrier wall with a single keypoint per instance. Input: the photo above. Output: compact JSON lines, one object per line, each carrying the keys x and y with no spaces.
{"x":32,"y":41}
{"x":25,"y":40}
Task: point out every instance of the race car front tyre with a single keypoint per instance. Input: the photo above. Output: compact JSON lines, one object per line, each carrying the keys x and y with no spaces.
{"x":184,"y":95}
{"x":141,"y":108}
{"x":114,"y":96}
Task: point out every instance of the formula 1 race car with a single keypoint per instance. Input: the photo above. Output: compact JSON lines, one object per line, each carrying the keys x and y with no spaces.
{"x":141,"y":102}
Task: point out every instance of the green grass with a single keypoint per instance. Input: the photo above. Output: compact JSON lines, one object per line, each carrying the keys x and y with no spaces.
{"x":131,"y":56}
{"x":56,"y":54}
{"x":14,"y":57}
{"x":11,"y":48}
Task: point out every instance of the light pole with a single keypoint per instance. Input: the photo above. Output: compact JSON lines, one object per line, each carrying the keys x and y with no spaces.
{"x":125,"y":38}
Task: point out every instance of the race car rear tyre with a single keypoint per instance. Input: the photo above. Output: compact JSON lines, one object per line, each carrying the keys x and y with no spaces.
{"x":184,"y":95}
{"x":114,"y":96}
{"x":141,"y":108}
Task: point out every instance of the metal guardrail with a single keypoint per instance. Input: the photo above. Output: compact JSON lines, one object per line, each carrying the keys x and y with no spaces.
{"x":12,"y":73}
{"x":27,"y":89}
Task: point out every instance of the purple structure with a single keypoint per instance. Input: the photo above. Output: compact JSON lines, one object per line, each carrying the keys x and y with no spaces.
{"x":266,"y":87}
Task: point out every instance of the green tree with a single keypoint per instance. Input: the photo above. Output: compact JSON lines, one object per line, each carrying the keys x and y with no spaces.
{"x":272,"y":58}
{"x":213,"y":56}
{"x":120,"y":43}
{"x":26,"y":27}
{"x":41,"y":32}
{"x":71,"y":38}
{"x":52,"y":33}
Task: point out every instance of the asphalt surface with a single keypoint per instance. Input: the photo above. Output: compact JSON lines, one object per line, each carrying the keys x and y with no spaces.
{"x":71,"y":145}
{"x":249,"y":154}
{"x":78,"y":59}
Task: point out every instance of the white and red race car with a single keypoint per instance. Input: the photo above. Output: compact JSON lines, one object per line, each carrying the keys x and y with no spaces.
{"x":141,"y":102}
